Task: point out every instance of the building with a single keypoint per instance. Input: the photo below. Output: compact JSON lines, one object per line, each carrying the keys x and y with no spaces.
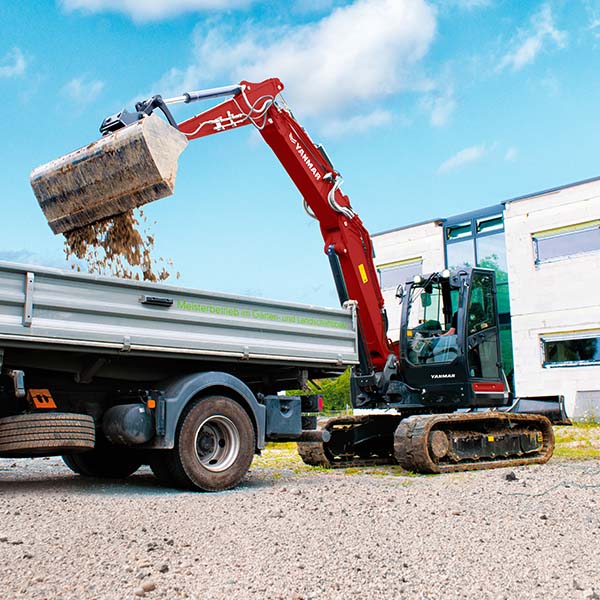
{"x":545,"y":249}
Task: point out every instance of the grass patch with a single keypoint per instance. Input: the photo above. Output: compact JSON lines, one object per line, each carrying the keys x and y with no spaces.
{"x":280,"y":457}
{"x":577,"y":453}
{"x":578,"y":442}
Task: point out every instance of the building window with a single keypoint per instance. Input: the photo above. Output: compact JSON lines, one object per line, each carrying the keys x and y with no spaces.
{"x":460,"y":255}
{"x":491,"y":254}
{"x":571,"y":350}
{"x":490,"y":224}
{"x":460,"y":230}
{"x":557,"y":244}
{"x":480,"y":242}
{"x":391,"y":275}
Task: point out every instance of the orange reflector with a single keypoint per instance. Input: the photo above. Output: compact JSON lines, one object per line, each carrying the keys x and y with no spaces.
{"x":151,"y":404}
{"x":40,"y":398}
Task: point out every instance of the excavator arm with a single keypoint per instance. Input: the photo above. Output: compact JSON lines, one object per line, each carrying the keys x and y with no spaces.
{"x":347,"y":242}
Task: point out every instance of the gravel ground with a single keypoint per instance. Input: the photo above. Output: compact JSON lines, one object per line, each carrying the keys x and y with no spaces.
{"x":311,"y":534}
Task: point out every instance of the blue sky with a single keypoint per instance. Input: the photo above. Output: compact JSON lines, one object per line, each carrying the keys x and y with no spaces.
{"x":427,"y":108}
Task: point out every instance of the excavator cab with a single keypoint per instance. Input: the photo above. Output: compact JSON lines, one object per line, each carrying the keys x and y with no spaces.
{"x":449,"y":340}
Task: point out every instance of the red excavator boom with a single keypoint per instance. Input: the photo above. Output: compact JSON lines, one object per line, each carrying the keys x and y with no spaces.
{"x":319,"y":183}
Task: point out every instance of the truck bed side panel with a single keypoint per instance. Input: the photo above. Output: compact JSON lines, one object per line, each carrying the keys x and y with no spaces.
{"x":44,"y":306}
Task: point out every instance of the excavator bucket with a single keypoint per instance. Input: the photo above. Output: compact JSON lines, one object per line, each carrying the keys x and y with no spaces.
{"x":123,"y":170}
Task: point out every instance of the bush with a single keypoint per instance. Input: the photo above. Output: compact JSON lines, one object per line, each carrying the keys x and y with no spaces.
{"x":335,"y":392}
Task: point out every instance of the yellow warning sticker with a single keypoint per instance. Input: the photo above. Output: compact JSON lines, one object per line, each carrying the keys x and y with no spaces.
{"x":363,"y":273}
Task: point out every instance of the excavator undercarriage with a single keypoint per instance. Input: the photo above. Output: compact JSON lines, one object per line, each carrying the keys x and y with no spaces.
{"x":439,"y":443}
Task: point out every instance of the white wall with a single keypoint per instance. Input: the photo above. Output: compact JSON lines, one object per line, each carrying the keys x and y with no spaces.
{"x":554,"y":297}
{"x":425,"y":242}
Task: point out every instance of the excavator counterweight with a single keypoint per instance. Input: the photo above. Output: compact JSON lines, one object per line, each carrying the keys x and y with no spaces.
{"x":125,"y":169}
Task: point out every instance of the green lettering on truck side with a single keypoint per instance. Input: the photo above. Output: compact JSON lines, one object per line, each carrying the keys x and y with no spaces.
{"x":259,"y":315}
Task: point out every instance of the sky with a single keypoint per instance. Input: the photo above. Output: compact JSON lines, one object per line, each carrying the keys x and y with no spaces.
{"x":427,"y":108}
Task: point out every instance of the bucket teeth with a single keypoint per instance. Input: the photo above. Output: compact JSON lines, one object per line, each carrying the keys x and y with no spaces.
{"x":123,"y":170}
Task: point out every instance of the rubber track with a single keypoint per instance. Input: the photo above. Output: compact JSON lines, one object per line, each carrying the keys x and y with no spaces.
{"x":411,"y":447}
{"x":411,"y":443}
{"x":315,"y":454}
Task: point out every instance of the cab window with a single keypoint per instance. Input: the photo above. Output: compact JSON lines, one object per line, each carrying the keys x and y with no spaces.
{"x":481,"y":328}
{"x":429,"y":337}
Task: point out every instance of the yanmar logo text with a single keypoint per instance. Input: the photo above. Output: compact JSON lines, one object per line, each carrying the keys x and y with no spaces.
{"x":300,"y":150}
{"x":443,"y":376}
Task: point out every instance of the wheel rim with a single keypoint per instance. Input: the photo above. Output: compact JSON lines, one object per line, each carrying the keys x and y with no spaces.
{"x":217,"y":443}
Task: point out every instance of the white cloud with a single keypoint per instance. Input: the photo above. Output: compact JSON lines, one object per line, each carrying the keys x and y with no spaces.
{"x":511,"y":154}
{"x":462,"y":158}
{"x":465,"y":4}
{"x":12,"y":64}
{"x":82,"y":91}
{"x":357,"y":123}
{"x":440,"y":106}
{"x":364,"y":51}
{"x":592,"y":8}
{"x":151,"y":10}
{"x":529,"y":43}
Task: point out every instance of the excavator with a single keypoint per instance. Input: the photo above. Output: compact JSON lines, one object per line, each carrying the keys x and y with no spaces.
{"x":435,"y":401}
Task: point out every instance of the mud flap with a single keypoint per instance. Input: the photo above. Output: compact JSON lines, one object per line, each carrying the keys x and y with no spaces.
{"x":125,"y":169}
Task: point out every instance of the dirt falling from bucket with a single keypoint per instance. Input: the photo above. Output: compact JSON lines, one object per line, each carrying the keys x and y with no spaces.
{"x":120,"y":246}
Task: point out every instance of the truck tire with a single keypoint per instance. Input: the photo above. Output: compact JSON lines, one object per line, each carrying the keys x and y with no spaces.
{"x":213,"y":450}
{"x":45,"y":434}
{"x":103,"y":461}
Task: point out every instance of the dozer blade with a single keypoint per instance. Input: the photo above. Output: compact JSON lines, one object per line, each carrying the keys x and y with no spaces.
{"x":123,"y":170}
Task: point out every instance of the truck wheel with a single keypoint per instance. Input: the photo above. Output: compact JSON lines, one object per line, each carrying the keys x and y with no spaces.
{"x":109,"y":462}
{"x":213,"y":448}
{"x":45,"y":434}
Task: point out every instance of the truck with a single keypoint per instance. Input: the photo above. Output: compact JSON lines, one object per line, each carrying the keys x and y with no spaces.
{"x":436,"y":401}
{"x":112,"y":374}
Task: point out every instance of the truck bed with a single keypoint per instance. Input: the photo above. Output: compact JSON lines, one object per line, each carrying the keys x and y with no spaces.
{"x":45,"y":311}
